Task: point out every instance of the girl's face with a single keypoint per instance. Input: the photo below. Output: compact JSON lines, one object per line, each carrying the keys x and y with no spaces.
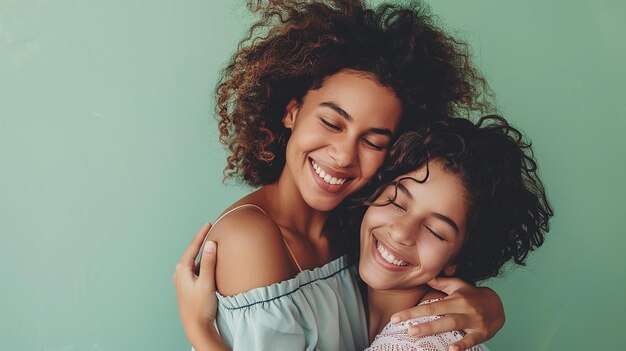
{"x":340,"y":134}
{"x":415,"y":238}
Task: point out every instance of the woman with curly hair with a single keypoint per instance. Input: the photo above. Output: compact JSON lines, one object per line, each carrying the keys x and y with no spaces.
{"x":308,"y":107}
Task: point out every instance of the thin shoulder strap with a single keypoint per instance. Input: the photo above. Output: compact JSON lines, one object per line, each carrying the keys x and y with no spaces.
{"x":265,"y":213}
{"x":292,"y":255}
{"x":235,"y":209}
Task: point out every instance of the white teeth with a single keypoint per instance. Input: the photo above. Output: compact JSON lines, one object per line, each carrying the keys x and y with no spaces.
{"x":325,"y":176}
{"x":389,"y":257}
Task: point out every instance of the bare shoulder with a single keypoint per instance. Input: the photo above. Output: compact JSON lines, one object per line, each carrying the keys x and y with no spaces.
{"x":251,"y":252}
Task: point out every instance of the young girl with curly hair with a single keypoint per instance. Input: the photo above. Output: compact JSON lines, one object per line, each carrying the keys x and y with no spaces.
{"x":308,"y":107}
{"x":458,"y":199}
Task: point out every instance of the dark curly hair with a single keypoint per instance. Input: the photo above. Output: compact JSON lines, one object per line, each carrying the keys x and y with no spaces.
{"x":295,"y":45}
{"x":508,"y":211}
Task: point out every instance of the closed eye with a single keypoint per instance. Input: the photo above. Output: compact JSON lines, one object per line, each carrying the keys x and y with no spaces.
{"x":373,"y":146}
{"x":395,"y":204}
{"x":330,"y":125}
{"x":441,"y":238}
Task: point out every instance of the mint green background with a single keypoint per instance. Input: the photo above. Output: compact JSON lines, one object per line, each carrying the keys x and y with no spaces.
{"x":109,"y":162}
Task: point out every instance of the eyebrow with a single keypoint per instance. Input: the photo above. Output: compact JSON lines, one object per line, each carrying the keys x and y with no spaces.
{"x":349,"y":118}
{"x":404,"y":190}
{"x":442,"y":217}
{"x":447,"y":220}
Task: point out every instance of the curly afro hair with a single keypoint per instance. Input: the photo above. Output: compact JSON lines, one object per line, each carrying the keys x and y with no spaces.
{"x":508,"y":211}
{"x":295,"y":45}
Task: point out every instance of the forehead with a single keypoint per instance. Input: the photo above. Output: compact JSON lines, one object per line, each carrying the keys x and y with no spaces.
{"x":359,"y":94}
{"x":349,"y":83}
{"x":436,"y":187}
{"x":433,"y":174}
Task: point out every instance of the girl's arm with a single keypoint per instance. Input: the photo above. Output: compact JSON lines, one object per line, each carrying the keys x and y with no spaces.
{"x":477,"y":311}
{"x":197,"y":303}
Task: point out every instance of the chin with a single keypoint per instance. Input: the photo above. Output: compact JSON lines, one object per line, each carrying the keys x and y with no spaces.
{"x":370,"y":277}
{"x":378,"y":285}
{"x":327,"y":207}
{"x":323,"y":204}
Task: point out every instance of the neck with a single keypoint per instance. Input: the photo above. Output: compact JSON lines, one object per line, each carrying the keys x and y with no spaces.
{"x":291,"y":212}
{"x":301,"y":225}
{"x":382,"y":304}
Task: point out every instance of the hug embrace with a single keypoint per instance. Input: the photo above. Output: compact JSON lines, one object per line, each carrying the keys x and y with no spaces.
{"x":377,"y":206}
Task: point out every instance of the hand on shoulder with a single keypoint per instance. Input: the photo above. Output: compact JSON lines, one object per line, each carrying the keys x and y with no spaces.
{"x":431,"y":295}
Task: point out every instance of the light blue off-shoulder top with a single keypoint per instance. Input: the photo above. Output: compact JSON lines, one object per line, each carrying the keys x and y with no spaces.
{"x":319,"y":309}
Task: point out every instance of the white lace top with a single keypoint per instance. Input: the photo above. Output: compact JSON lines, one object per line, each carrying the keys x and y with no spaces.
{"x":395,"y":337}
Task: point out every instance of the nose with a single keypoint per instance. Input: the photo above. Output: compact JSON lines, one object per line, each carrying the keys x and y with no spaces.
{"x":344,"y":152}
{"x":403,"y":232}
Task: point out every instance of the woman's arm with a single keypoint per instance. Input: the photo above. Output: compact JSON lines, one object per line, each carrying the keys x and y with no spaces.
{"x":477,"y":311}
{"x":197,"y":303}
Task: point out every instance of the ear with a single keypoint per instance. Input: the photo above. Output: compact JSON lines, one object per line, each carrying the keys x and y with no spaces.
{"x":449,"y":270}
{"x":291,"y":111}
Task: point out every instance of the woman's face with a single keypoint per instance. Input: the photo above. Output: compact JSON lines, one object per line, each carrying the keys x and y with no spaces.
{"x":415,"y":238}
{"x":340,"y":134}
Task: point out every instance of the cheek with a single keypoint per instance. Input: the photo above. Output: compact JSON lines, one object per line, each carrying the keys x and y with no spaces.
{"x":374,"y":218}
{"x":300,"y":142}
{"x":371,"y":162}
{"x":363,"y":233}
{"x":378,"y":216}
{"x":434,"y":257}
{"x":301,"y":137}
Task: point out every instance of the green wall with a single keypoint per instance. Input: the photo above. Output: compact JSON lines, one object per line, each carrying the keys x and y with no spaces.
{"x":109,"y":162}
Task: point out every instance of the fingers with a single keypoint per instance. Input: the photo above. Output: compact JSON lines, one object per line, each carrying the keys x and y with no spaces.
{"x":442,"y":307}
{"x":192,"y":250}
{"x":185,"y":268}
{"x":446,"y":324}
{"x":469,"y":341}
{"x":196,"y":267}
{"x":441,"y":325}
{"x":207,"y":266}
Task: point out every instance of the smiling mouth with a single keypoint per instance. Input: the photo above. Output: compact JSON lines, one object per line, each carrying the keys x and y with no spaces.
{"x":327,"y":178}
{"x":388,"y":256}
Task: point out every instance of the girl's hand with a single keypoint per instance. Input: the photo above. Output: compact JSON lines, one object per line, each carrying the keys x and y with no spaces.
{"x":197,"y":303}
{"x":477,"y":311}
